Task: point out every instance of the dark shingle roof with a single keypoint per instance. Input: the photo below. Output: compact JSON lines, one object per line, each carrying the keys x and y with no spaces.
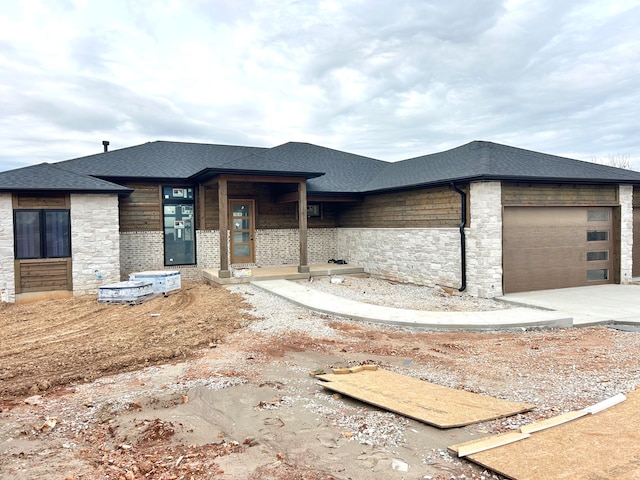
{"x":180,"y":160}
{"x":481,"y":160}
{"x":328,"y":171}
{"x":343,"y":172}
{"x":47,"y":177}
{"x":337,"y":171}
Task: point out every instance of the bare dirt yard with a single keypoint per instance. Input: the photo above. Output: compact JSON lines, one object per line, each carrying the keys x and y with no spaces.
{"x":214,"y":383}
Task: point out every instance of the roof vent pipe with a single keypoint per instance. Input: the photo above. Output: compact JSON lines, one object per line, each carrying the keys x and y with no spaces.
{"x":105,"y":144}
{"x":463,"y":250}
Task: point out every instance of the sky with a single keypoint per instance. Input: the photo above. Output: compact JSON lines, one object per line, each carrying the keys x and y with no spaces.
{"x":385,"y":79}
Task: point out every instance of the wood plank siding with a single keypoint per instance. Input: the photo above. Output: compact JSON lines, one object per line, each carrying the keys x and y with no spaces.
{"x":41,"y":275}
{"x":40,"y":202}
{"x":558,"y":195}
{"x":142,"y":210}
{"x":269,"y":214}
{"x":432,"y":208}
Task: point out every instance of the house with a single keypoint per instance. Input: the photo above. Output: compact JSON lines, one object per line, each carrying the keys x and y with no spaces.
{"x":483,"y":217}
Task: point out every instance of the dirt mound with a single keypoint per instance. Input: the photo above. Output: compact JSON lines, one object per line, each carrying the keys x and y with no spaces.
{"x":59,"y":342}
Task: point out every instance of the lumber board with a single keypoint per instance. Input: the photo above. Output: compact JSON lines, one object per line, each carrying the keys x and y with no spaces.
{"x":553,"y":421}
{"x":599,"y":446}
{"x":442,"y":407}
{"x":486,"y":443}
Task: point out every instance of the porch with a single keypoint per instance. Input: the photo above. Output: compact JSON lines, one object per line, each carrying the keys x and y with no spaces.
{"x":284,"y":272}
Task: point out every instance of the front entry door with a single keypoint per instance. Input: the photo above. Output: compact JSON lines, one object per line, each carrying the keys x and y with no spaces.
{"x":242,"y":230}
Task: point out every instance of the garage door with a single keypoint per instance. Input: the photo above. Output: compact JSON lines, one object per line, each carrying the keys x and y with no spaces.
{"x":556,"y":247}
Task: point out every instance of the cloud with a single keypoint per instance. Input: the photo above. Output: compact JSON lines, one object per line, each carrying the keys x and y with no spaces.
{"x":389,"y":80}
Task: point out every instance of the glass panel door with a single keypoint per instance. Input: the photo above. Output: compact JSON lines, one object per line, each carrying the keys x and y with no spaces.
{"x":242,"y":230}
{"x":179,"y":225}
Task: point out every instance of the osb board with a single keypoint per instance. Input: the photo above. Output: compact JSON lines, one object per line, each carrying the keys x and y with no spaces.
{"x":433,"y":404}
{"x":593,"y":447}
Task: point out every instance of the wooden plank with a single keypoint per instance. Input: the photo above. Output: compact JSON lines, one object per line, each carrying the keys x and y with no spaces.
{"x":201,"y":208}
{"x":433,"y":404}
{"x":39,"y":275}
{"x":599,"y":446}
{"x":553,"y":421}
{"x":261,"y":178}
{"x":423,"y":208}
{"x":41,"y":201}
{"x":526,"y":194}
{"x":142,"y":210}
{"x":486,"y":443}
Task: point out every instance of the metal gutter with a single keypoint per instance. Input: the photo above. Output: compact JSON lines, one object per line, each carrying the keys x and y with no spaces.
{"x":463,"y":247}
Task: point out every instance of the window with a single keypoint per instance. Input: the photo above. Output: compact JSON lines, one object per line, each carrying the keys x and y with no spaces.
{"x":599,"y":255}
{"x":179,"y":226}
{"x":597,"y":235}
{"x":313,"y":210}
{"x":42,"y":234}
{"x":597,"y":215}
{"x":598,"y":274}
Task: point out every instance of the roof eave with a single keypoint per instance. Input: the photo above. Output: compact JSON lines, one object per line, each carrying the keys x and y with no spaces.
{"x":83,"y":191}
{"x":208,"y":173}
{"x":501,"y":178}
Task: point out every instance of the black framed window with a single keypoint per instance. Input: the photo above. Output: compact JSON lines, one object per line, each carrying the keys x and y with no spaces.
{"x":42,"y":234}
{"x":178,"y":209}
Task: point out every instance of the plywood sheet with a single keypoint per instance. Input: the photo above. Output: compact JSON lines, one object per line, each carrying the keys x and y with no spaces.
{"x":427,"y":402}
{"x":601,"y":446}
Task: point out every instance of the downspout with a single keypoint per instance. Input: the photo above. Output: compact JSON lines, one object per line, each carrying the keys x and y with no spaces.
{"x":463,"y":248}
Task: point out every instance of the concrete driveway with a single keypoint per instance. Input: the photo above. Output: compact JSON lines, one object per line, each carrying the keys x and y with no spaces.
{"x":598,"y":304}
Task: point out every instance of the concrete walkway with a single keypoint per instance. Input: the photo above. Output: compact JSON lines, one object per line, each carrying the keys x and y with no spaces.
{"x":514,"y":318}
{"x":582,"y":306}
{"x":596,"y":305}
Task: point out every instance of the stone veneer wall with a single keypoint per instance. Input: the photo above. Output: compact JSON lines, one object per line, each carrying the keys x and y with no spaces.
{"x":431,"y":256}
{"x":423,"y":256}
{"x":484,"y":240}
{"x":140,"y":251}
{"x":95,"y":246}
{"x":282,"y":246}
{"x":625,"y":195}
{"x":7,"y":272}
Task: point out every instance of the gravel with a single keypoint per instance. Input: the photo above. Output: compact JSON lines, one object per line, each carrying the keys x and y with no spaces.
{"x":401,"y":295}
{"x":556,"y":370}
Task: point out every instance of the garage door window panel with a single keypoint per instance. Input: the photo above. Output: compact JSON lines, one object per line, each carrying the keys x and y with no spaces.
{"x":597,"y":275}
{"x":600,"y":255}
{"x":598,"y":215}
{"x":597,"y":235}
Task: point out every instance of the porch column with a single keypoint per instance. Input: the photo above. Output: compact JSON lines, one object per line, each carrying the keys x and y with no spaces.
{"x":302,"y":226}
{"x":223,"y":222}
